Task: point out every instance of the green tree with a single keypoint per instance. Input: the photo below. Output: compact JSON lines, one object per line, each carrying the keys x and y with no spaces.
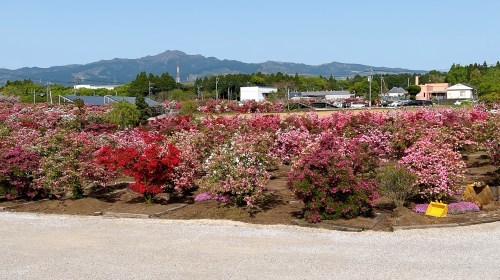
{"x":413,"y":90}
{"x":457,"y":74}
{"x":139,"y":86}
{"x":124,"y":114}
{"x":143,"y":108}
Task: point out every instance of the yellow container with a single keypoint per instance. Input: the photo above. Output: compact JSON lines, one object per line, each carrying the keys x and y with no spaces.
{"x":437,"y":209}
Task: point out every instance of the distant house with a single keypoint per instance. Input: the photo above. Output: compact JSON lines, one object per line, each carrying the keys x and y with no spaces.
{"x":432,"y":90}
{"x":428,"y":91}
{"x":255,"y":93}
{"x":108,"y":87}
{"x":395,"y":93}
{"x":461,"y":91}
{"x":329,"y":95}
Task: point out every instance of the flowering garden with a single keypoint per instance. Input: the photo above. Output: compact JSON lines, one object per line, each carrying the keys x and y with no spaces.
{"x":334,"y":163}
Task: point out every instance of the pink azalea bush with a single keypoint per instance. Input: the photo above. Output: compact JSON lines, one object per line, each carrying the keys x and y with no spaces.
{"x":290,"y":143}
{"x":438,"y":167}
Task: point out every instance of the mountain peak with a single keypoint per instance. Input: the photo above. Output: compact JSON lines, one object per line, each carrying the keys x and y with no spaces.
{"x":168,"y":55}
{"x":120,"y":71}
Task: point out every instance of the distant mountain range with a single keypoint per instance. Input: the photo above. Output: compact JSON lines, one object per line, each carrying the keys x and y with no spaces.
{"x":121,"y":70}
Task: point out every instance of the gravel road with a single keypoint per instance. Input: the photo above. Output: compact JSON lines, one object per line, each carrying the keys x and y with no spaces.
{"x":36,"y":246}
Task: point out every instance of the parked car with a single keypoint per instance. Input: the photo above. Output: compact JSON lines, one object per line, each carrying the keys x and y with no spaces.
{"x":418,"y":103}
{"x":358,"y":104}
{"x":338,"y":104}
{"x":397,"y":103}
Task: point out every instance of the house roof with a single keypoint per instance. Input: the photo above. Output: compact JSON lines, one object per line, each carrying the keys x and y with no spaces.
{"x":397,"y":90}
{"x":88,"y":100}
{"x":325,"y":93}
{"x":461,"y":87}
{"x":108,"y":99}
{"x":131,"y":99}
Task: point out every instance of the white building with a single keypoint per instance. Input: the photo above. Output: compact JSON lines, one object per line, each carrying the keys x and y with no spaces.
{"x":396,"y":93}
{"x":255,"y":93}
{"x":108,"y":87}
{"x":461,"y":91}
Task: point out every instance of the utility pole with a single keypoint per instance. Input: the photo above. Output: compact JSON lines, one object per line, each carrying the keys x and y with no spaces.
{"x":216,"y":90}
{"x":149,"y":87}
{"x":381,"y":84}
{"x":34,"y":100}
{"x":370,"y":80}
{"x":74,"y":86}
{"x":199,"y":92}
{"x":49,"y":92}
{"x":288,"y":99}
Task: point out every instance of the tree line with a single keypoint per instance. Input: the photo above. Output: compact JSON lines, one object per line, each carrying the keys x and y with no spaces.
{"x":486,"y":78}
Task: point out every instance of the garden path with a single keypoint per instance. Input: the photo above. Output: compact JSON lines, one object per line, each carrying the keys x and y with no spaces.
{"x":35,"y":246}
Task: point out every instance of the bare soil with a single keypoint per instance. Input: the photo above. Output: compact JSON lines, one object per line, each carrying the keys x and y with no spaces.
{"x":281,"y":207}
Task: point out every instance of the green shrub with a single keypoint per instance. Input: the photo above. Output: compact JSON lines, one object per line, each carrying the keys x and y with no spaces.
{"x":397,"y":183}
{"x":188,"y":107}
{"x":124,"y":114}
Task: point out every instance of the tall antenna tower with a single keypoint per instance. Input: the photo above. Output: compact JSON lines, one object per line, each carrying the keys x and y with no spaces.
{"x":178,"y":75}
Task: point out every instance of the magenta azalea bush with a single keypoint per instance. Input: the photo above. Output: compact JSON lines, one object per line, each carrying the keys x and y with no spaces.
{"x":17,"y":172}
{"x":329,"y":179}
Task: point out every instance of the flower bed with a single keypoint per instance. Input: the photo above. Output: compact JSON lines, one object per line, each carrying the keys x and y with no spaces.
{"x":53,"y":151}
{"x":453,"y":208}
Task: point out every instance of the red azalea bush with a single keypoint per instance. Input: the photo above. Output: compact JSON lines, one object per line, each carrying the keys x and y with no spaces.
{"x":330,"y":179}
{"x":153,"y":166}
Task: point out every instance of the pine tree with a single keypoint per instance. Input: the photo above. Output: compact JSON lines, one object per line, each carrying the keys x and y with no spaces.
{"x":143,"y":109}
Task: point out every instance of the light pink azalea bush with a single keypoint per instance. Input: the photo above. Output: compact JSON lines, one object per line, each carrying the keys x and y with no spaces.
{"x":290,"y":143}
{"x":438,"y":167}
{"x":68,"y":163}
{"x":238,"y":169}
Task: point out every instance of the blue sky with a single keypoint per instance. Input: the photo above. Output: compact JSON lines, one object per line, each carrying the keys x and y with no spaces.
{"x":425,"y":34}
